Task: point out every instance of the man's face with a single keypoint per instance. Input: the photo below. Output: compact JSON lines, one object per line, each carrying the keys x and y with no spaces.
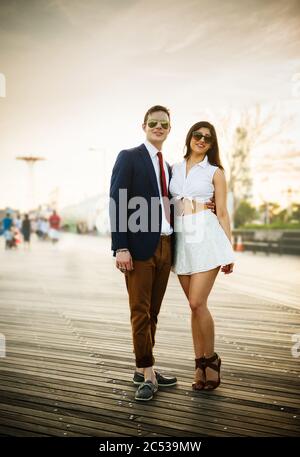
{"x":157,"y":127}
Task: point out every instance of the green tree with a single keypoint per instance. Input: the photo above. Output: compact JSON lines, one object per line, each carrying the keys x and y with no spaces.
{"x":295,"y":212}
{"x":245,"y":213}
{"x":272,"y":212}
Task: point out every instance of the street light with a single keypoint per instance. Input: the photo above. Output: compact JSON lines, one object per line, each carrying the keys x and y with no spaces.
{"x":31,"y":161}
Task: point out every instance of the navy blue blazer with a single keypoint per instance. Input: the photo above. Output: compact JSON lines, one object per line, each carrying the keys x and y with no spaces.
{"x":134,"y":172}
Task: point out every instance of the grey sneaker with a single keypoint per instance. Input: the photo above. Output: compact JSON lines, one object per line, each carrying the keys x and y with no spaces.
{"x":162,"y":381}
{"x":146,"y":391}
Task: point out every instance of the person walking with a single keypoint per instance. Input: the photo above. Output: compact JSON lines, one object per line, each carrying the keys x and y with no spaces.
{"x":7,"y":224}
{"x":26,"y":231}
{"x":54,"y":222}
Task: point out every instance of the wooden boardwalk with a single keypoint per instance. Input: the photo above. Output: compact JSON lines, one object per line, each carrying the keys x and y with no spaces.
{"x":69,"y":361}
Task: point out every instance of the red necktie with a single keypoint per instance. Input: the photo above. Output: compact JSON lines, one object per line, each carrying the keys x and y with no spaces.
{"x":164,"y":189}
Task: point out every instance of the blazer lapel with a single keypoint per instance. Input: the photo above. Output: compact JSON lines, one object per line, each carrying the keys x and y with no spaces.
{"x":149,"y":167}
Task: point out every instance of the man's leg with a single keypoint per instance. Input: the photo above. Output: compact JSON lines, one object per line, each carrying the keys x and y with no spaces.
{"x":162,"y":261}
{"x":139,"y":285}
{"x":146,"y":286}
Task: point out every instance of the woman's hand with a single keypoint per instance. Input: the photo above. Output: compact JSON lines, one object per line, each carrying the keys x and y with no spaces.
{"x":227,"y":269}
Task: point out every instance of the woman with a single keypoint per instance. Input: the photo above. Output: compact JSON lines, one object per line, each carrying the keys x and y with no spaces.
{"x":203,"y":241}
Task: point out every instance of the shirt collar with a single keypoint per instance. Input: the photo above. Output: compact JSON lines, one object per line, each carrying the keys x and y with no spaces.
{"x":203,"y":163}
{"x":151,"y":149}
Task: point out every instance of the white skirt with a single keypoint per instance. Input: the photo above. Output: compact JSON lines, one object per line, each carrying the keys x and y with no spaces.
{"x":201,"y":244}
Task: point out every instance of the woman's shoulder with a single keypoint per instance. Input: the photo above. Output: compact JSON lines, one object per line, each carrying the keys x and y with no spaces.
{"x":214,"y":168}
{"x":214,"y":171}
{"x":217,"y":174}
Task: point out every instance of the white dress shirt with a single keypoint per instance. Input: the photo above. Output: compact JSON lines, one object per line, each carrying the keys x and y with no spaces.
{"x":197,"y":185}
{"x":166,"y":228}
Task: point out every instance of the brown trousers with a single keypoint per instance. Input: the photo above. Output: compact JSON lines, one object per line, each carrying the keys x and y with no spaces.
{"x":146,"y":286}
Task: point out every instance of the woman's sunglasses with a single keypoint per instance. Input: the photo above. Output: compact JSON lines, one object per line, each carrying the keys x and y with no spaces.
{"x":208,"y":139}
{"x":165,"y":124}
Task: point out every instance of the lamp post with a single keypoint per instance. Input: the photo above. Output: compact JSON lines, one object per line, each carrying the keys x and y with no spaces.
{"x":31,"y":161}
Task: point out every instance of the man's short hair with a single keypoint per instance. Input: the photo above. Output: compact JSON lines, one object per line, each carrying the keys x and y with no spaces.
{"x":155,"y":108}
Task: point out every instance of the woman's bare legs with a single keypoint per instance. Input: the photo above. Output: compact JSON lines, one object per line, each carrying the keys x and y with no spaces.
{"x":197,"y":288}
{"x":202,"y":321}
{"x":198,"y":336}
{"x":185,"y":281}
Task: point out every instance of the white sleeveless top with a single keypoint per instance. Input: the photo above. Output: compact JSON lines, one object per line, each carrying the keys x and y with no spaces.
{"x":197,"y":185}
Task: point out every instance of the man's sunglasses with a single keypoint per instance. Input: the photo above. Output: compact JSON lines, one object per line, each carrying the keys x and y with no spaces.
{"x":198,"y":136}
{"x":165,"y":124}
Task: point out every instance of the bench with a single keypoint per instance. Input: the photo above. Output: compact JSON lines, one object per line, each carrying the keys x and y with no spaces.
{"x":266,"y":246}
{"x":290,"y":242}
{"x":273,"y":241}
{"x":258,"y":241}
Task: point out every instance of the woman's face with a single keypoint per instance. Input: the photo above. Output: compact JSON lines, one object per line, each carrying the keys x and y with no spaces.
{"x":201,"y":141}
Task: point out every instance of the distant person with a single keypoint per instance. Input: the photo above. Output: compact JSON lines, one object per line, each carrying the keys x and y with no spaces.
{"x":12,"y":237}
{"x":54,"y":221}
{"x":39,"y":228}
{"x":16,"y":236}
{"x":33,"y":224}
{"x":18,"y":222}
{"x":7,"y":223}
{"x":9,"y":238}
{"x":44,"y":229}
{"x":26,"y":230}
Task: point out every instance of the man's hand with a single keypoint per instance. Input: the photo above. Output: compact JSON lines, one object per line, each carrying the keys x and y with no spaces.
{"x":124,"y":261}
{"x":210,"y":205}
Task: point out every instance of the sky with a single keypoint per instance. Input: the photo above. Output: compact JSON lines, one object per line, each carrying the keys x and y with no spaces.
{"x":79,"y":76}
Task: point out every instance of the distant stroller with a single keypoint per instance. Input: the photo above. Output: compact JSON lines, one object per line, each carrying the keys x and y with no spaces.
{"x":12,"y":238}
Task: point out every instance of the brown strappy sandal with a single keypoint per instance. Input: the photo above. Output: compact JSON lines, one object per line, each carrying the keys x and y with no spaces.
{"x":210,"y":363}
{"x":199,"y":383}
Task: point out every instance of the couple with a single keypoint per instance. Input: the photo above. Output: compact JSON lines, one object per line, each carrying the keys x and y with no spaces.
{"x":184,"y":232}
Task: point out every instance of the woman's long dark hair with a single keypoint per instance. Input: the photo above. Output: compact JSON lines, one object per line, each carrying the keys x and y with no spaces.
{"x":213,"y":155}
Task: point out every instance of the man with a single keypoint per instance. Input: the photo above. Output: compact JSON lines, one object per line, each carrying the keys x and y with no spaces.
{"x":142,"y":240}
{"x":54,"y":222}
{"x":144,"y":256}
{"x":7,"y":224}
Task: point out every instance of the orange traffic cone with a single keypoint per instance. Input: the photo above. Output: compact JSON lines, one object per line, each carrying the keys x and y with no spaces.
{"x":239,"y":247}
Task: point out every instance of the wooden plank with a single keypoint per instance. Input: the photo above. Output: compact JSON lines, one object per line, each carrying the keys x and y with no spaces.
{"x":169,"y":410}
{"x":84,"y":389}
